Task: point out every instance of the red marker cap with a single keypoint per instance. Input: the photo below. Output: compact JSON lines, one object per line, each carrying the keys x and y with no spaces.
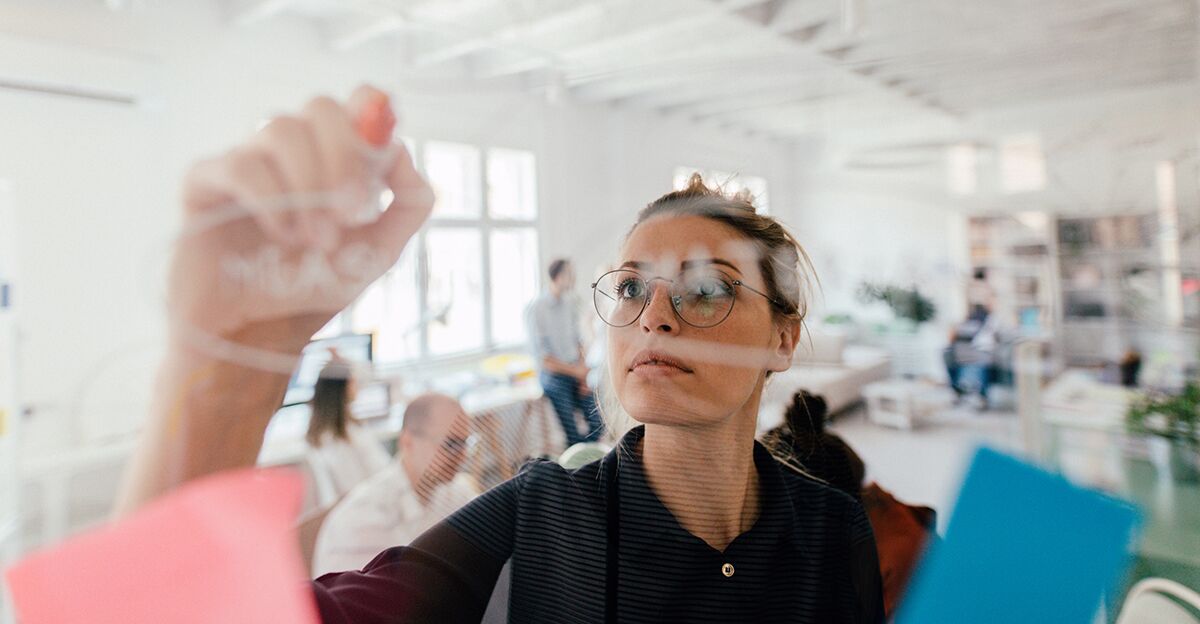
{"x":375,"y":121}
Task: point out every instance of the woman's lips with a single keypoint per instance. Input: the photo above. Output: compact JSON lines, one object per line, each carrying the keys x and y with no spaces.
{"x":657,"y":363}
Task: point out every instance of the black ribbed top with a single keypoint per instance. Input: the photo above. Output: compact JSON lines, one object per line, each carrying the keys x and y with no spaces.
{"x":810,"y":556}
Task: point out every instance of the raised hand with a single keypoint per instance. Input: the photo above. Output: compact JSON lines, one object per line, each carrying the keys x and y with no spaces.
{"x":283,"y":231}
{"x":280,"y":233}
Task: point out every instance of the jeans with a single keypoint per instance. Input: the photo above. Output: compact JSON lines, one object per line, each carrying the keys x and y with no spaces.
{"x":566,"y":396}
{"x":968,"y":378}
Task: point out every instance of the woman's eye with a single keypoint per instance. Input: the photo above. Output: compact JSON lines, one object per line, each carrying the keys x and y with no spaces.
{"x":710,"y":288}
{"x":630,"y":289}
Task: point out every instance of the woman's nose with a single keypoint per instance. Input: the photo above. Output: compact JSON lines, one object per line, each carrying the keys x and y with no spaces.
{"x":659,"y":315}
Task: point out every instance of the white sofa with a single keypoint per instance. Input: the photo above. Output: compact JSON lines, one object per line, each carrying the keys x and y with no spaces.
{"x":825,"y":365}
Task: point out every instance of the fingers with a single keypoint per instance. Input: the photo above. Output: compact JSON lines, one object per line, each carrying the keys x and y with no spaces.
{"x":292,"y":145}
{"x":305,"y":178}
{"x":247,"y":178}
{"x":344,"y":160}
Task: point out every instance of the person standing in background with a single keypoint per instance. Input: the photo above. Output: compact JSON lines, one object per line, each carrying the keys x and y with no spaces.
{"x":557,"y":346}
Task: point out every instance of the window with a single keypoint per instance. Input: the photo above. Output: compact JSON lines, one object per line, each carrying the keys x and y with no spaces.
{"x":515,"y":270}
{"x":453,"y":170}
{"x":463,"y":282}
{"x":729,"y":182}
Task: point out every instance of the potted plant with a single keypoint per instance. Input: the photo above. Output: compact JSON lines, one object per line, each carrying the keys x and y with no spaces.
{"x":906,"y":303}
{"x":1175,"y":418}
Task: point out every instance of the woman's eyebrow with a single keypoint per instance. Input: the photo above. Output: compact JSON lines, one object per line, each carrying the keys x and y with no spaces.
{"x":688,"y":264}
{"x":707,"y":261}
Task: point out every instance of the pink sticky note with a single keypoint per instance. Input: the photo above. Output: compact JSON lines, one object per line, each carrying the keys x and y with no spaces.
{"x":221,"y":549}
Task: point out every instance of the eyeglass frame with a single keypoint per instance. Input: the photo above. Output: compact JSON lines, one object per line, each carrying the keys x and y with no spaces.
{"x":736,"y":283}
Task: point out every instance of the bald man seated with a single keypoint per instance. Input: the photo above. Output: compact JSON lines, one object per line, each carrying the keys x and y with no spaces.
{"x":419,"y":488}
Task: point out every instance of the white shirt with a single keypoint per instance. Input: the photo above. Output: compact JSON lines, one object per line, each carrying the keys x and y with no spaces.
{"x":379,"y":513}
{"x":338,"y":465}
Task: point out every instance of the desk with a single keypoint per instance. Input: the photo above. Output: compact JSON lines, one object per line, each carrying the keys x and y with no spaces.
{"x":1111,"y":460}
{"x":514,"y":424}
{"x":1172,"y":508}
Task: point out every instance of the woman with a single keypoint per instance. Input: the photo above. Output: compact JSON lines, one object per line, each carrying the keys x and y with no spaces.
{"x":340,"y":452}
{"x":902,"y":531}
{"x":688,"y":519}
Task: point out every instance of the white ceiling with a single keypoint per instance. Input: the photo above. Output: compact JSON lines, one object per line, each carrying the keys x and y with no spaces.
{"x":783,"y":67}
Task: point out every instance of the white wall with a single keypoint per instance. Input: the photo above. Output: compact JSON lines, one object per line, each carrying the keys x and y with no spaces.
{"x":95,"y":184}
{"x":903,"y":225}
{"x":883,"y":227}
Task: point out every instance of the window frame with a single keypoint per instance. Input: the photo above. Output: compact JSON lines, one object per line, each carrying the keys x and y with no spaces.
{"x":485,"y":224}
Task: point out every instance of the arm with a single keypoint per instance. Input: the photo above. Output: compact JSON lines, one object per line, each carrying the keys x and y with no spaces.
{"x":441,"y":577}
{"x":447,"y":574}
{"x":190,"y":433}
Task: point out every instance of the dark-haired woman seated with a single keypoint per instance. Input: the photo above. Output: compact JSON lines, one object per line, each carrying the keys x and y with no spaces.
{"x":902,"y":531}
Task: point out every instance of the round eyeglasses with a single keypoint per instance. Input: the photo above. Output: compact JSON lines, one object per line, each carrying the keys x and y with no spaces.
{"x":701,"y":297}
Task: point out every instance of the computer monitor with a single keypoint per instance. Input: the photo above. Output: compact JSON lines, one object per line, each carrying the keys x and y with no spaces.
{"x":354,"y":348}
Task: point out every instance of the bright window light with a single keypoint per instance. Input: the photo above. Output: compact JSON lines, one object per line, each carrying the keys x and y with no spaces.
{"x":463,"y":282}
{"x":512,"y":185}
{"x":1022,"y":164}
{"x":514,"y":281}
{"x":453,"y":170}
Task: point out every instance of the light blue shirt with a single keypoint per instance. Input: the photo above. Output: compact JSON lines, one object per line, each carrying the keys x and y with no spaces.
{"x":554,"y":328}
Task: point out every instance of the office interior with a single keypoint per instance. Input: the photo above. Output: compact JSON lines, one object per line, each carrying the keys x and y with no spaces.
{"x":1036,"y":160}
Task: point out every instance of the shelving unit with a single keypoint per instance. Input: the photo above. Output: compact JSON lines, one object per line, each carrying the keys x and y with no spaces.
{"x":1111,"y":278}
{"x":1017,"y":254}
{"x":1113,"y":286}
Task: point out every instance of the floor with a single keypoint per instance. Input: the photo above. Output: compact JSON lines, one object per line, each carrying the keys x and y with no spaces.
{"x":925,"y":466}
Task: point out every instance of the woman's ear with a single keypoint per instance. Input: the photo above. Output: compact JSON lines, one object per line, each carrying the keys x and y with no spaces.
{"x":789,"y":337}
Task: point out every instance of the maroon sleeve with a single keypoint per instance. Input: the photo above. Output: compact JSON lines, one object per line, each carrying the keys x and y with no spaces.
{"x":441,"y":577}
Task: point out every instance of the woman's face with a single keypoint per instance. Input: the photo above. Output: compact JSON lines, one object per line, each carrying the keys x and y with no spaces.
{"x":666,"y":371}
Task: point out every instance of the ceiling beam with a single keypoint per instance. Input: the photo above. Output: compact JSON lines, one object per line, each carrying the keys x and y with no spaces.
{"x":657,"y":78}
{"x":504,"y":37}
{"x":354,"y":31}
{"x":746,"y":102}
{"x":380,"y":17}
{"x":622,"y":39}
{"x":808,"y":52}
{"x":247,"y":12}
{"x":752,"y":86}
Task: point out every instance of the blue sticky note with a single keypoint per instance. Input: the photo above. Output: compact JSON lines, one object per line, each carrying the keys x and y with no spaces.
{"x":1023,"y":545}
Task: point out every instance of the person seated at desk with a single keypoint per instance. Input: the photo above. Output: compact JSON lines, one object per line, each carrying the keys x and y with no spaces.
{"x":411,"y":494}
{"x":901,"y":530}
{"x":970,"y":360}
{"x":341,"y":452}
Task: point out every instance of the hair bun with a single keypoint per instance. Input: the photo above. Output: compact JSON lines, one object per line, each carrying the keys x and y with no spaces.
{"x":806,"y":415}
